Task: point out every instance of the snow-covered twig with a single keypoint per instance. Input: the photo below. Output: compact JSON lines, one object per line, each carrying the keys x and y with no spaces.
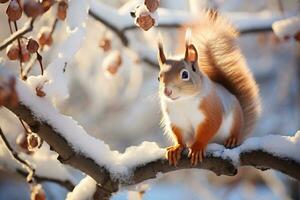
{"x":27,"y":28}
{"x":84,"y":190}
{"x":29,"y":173}
{"x":120,"y":22}
{"x":28,"y":167}
{"x":287,"y":28}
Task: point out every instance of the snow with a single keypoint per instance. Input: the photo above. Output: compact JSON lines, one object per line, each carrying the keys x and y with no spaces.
{"x":282,"y":146}
{"x":43,"y":160}
{"x":143,"y":10}
{"x":110,"y":14}
{"x":120,"y":165}
{"x":45,"y":165}
{"x":84,"y":190}
{"x":54,"y":81}
{"x":246,"y":21}
{"x":278,"y":145}
{"x":287,"y":27}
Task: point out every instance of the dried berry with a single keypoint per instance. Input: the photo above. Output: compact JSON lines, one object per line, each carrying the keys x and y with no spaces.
{"x":25,"y":53}
{"x":37,"y":193}
{"x":32,"y":8}
{"x":45,"y":38}
{"x":115,"y":63}
{"x":33,"y":141}
{"x":152,"y":5}
{"x":23,"y":143}
{"x":297,"y":36}
{"x":3,"y":1}
{"x":47,"y":4}
{"x":32,"y":46}
{"x":286,"y":37}
{"x":39,"y":91}
{"x":8,"y":94}
{"x":145,"y":21}
{"x":14,"y":10}
{"x":13,"y":52}
{"x":105,"y":44}
{"x":62,"y":10}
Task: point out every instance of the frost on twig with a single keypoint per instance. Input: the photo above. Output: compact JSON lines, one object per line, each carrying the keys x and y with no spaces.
{"x":288,"y":28}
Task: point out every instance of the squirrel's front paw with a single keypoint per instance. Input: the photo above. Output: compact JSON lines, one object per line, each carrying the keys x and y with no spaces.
{"x":231,"y":142}
{"x":196,"y":155}
{"x":174,"y":153}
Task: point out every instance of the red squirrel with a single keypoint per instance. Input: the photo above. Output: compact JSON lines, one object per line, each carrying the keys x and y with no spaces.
{"x":208,"y":95}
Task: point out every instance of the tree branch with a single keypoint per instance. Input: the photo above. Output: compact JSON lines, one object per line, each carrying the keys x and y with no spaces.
{"x":219,"y":164}
{"x":30,"y":170}
{"x":26,"y":29}
{"x":110,"y":18}
{"x":28,"y":167}
{"x":64,"y":183}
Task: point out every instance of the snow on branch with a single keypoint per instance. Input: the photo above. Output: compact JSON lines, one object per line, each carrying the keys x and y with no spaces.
{"x":53,"y":82}
{"x":110,"y":169}
{"x":287,"y":28}
{"x":27,"y":28}
{"x":34,"y":168}
{"x":120,"y":22}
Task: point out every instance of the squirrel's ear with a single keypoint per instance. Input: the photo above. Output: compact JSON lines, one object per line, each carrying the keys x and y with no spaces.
{"x":191,"y":54}
{"x":161,"y":55}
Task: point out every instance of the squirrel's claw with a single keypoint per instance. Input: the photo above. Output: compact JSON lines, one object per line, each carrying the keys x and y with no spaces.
{"x":231,"y":142}
{"x":174,"y":154}
{"x":196,"y":156}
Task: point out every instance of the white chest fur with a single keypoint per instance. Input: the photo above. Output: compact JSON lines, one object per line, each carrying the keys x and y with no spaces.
{"x":184,"y":114}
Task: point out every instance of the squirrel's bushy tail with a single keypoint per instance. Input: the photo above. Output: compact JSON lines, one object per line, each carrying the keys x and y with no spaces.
{"x":221,"y":59}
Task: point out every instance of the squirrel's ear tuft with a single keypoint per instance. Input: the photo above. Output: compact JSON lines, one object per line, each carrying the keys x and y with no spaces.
{"x":161,"y":55}
{"x":191,"y":54}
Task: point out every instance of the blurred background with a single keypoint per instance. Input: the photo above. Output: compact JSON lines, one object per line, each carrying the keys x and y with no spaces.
{"x":121,"y":105}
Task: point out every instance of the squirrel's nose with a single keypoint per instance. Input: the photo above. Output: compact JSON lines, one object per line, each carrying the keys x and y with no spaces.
{"x":167,"y":91}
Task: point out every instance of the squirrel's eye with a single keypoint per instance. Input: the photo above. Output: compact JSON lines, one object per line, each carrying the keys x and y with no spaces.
{"x":184,"y":75}
{"x":158,"y":78}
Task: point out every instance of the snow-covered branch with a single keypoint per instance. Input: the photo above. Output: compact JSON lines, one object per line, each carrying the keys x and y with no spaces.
{"x":27,"y":28}
{"x":111,"y":169}
{"x":120,"y":22}
{"x":287,"y":28}
{"x":27,"y":171}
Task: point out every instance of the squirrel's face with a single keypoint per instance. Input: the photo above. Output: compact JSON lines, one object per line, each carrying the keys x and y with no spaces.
{"x":179,"y":78}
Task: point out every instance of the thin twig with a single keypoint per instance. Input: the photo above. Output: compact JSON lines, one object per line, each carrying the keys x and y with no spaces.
{"x":65,"y":183}
{"x":27,"y":28}
{"x":24,"y":126}
{"x":20,"y":51}
{"x":10,"y":29}
{"x":39,"y":57}
{"x":280,"y":5}
{"x":14,"y":154}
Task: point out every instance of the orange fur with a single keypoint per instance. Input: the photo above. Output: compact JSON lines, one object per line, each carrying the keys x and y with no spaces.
{"x":174,"y":152}
{"x":221,"y":59}
{"x":236,"y":130}
{"x":213,"y":111}
{"x":177,"y":134}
